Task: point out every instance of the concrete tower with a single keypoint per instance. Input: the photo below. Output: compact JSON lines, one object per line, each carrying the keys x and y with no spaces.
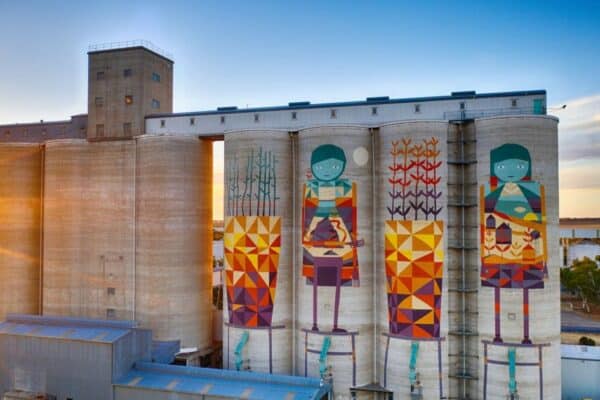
{"x":124,"y":85}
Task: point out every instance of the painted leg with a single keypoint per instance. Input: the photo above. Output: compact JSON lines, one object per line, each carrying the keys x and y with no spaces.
{"x":336,"y":308}
{"x":315,"y":326}
{"x":526,"y":339}
{"x":497,"y":336}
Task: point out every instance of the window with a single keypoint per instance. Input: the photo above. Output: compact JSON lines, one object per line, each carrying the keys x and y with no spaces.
{"x":222,"y":119}
{"x":462,"y":105}
{"x":127,"y":72}
{"x":100,"y":130}
{"x":127,"y":128}
{"x":155,"y":103}
{"x":333,"y":114}
{"x":373,"y":110}
{"x":192,"y":121}
{"x":100,"y":75}
{"x":110,"y":291}
{"x":513,"y":103}
{"x":128,"y":99}
{"x":162,"y":123}
{"x":110,"y":313}
{"x":294,"y":115}
{"x":417,"y":108}
{"x":155,"y":77}
{"x":99,"y":101}
{"x":7,"y":133}
{"x":256,"y":117}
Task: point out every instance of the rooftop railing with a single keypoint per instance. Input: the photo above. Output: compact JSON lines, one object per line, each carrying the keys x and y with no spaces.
{"x":462,"y":115}
{"x":130,"y":43}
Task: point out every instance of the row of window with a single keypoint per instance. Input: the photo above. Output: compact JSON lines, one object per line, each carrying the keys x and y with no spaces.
{"x":99,"y":101}
{"x":100,"y":129}
{"x":127,"y":73}
{"x":43,"y":132}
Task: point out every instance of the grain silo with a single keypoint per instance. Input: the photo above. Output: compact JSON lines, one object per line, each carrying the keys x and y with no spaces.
{"x":173,"y":236}
{"x":519,"y":322}
{"x":89,"y":229}
{"x":334,"y":255}
{"x":20,"y":219}
{"x":258,"y":314}
{"x":411,"y":228}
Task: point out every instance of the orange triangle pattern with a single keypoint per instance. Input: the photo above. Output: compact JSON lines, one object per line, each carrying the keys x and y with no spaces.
{"x":414,"y":261}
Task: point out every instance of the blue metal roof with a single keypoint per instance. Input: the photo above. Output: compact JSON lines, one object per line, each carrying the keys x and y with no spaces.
{"x":98,"y":331}
{"x":369,"y":101}
{"x":223,"y":383}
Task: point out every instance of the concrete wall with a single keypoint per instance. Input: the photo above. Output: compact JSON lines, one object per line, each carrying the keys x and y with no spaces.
{"x":106,"y":94}
{"x":20,"y":228}
{"x":39,"y":132}
{"x":209,"y":123}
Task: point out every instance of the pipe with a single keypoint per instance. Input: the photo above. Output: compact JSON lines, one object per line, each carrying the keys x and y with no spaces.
{"x":293,"y":136}
{"x":463,"y":262}
{"x":374,"y":251}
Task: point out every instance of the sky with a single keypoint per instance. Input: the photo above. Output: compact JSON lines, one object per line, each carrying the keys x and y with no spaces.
{"x":260,"y":53}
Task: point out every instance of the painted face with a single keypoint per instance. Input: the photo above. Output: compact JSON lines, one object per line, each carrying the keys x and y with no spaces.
{"x":511,"y":170}
{"x":328,"y":170}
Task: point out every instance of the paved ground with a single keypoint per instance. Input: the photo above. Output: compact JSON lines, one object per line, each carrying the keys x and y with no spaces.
{"x":571,"y":318}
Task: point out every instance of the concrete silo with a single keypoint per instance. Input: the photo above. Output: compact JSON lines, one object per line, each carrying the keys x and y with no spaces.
{"x":89,"y":232}
{"x":334,"y":255}
{"x":411,"y":226}
{"x":258,"y":314}
{"x":173,"y":235}
{"x":519,"y":310}
{"x":20,"y":219}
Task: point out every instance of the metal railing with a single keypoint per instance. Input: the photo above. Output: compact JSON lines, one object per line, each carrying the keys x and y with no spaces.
{"x":462,"y":115}
{"x":130,"y":43}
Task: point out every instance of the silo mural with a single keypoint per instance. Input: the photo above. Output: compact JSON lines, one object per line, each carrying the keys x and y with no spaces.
{"x":257,"y":250}
{"x":252,"y":240}
{"x":329,"y":231}
{"x":513,"y":230}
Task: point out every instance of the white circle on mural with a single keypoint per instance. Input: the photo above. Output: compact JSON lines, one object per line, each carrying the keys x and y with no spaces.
{"x":360,"y":156}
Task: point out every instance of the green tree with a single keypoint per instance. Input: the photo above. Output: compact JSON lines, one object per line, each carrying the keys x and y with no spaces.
{"x":583,"y":278}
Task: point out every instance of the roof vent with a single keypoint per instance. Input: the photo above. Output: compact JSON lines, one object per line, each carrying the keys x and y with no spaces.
{"x":466,"y":93}
{"x":228,"y":108}
{"x":378,"y":99}
{"x":299,"y":103}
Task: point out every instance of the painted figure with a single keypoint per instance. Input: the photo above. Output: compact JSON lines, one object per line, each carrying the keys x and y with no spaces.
{"x":513,"y":229}
{"x":329,"y":229}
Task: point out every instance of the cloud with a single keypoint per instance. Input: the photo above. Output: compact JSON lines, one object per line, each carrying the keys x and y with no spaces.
{"x":579,"y":174}
{"x":579,"y":129}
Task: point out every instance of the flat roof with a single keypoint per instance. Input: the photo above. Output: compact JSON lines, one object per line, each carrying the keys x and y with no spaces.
{"x":130,"y":45}
{"x":87,"y":330}
{"x":301,"y":105}
{"x":223,"y":383}
{"x":576,"y":352}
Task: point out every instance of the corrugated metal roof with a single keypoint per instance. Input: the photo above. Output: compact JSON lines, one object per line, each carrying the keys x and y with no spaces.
{"x":225,"y":383}
{"x":580,"y":352}
{"x":64,"y":328}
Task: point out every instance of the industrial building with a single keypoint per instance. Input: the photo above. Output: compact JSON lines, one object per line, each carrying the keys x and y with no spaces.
{"x":395,"y":247}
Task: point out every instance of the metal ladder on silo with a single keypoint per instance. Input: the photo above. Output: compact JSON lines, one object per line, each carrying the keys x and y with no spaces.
{"x":464,"y":329}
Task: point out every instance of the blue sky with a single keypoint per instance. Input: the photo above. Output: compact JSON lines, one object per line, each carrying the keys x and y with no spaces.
{"x":260,"y":53}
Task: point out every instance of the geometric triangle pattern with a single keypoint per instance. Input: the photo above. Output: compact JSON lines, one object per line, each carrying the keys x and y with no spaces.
{"x":414,"y":268}
{"x":252,"y":245}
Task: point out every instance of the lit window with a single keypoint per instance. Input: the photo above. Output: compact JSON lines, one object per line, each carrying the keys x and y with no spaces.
{"x":129,"y":99}
{"x":256,"y":117}
{"x":127,"y":72}
{"x":513,"y":102}
{"x":192,"y":121}
{"x":100,"y":130}
{"x":222,"y":119}
{"x":99,"y":75}
{"x":417,"y":108}
{"x":373,"y":110}
{"x":155,"y":77}
{"x":99,"y":101}
{"x":127,"y":128}
{"x":333,"y":114}
{"x":162,"y":123}
{"x":155,"y":103}
{"x":294,"y":115}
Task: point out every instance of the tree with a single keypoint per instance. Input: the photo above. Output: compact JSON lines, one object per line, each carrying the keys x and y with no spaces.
{"x":583,"y":278}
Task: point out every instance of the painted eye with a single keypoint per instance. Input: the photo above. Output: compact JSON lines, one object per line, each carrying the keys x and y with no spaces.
{"x":500,"y":166}
{"x":521,"y":167}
